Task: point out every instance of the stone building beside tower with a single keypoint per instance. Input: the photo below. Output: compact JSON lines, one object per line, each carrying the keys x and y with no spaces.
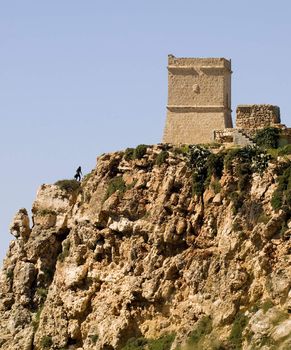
{"x":199,"y":106}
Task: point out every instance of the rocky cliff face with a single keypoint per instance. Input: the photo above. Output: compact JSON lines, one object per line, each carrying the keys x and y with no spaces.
{"x":132,"y":259}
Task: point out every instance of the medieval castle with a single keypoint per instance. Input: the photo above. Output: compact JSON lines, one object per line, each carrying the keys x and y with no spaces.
{"x":199,"y":105}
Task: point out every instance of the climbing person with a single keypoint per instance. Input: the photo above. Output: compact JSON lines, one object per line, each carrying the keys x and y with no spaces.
{"x":78,"y":174}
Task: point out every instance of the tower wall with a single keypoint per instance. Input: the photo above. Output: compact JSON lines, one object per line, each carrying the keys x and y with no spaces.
{"x":199,"y":99}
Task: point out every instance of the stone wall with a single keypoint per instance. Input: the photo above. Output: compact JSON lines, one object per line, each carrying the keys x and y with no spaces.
{"x":199,"y":99}
{"x":233,"y":136}
{"x":192,"y":127}
{"x":224,"y":135}
{"x":257,"y":116}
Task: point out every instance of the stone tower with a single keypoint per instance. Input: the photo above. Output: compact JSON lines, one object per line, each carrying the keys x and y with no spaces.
{"x":199,"y":99}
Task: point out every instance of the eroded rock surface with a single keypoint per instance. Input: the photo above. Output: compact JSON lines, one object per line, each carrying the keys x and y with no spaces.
{"x":132,"y":253}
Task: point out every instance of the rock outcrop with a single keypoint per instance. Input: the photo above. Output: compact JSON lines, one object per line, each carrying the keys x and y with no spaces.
{"x":132,"y":259}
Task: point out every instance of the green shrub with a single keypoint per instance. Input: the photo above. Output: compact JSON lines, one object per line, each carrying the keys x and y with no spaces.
{"x":161,"y":158}
{"x":197,"y":160}
{"x":215,"y":163}
{"x":282,"y":195}
{"x":184,"y":149}
{"x":44,"y":212}
{"x":197,"y":157}
{"x":202,"y":328}
{"x":140,"y":151}
{"x":46,"y":342}
{"x":243,"y":162}
{"x":263,"y":218}
{"x":283,"y":229}
{"x":94,"y":338}
{"x":66,"y":251}
{"x":42,"y":292}
{"x":216,"y":186}
{"x":286,"y":150}
{"x":237,"y":201}
{"x":181,"y":150}
{"x":135,"y":344}
{"x":162,"y":343}
{"x":230,"y":157}
{"x":260,"y":161}
{"x":267,"y":342}
{"x":115,"y":184}
{"x":268,"y":137}
{"x":198,"y":181}
{"x":68,"y":185}
{"x":244,"y":173}
{"x":9,"y":274}
{"x":237,"y":329}
{"x":250,"y":156}
{"x":213,"y":145}
{"x":287,"y":196}
{"x":266,"y":305}
{"x":48,"y":272}
{"x":129,"y":154}
{"x":35,"y":321}
{"x":62,"y":256}
{"x":276,"y":200}
{"x":273,"y":152}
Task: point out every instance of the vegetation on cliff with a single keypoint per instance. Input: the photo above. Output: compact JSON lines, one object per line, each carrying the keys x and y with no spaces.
{"x":158,"y":248}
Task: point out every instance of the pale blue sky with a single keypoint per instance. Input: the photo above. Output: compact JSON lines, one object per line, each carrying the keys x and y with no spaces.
{"x":79,"y":78}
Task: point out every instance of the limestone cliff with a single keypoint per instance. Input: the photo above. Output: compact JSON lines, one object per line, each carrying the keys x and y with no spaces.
{"x":139,"y":257}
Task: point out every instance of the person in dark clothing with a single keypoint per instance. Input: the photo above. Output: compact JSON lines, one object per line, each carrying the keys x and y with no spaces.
{"x":78,"y":174}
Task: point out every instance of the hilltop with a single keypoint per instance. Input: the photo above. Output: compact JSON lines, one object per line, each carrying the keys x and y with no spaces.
{"x":159,"y":247}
